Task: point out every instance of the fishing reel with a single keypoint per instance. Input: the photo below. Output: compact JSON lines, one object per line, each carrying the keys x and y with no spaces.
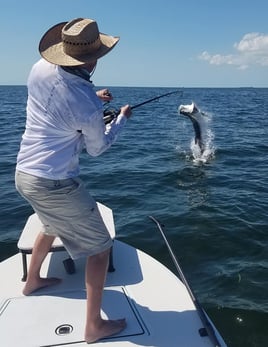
{"x":109,"y":114}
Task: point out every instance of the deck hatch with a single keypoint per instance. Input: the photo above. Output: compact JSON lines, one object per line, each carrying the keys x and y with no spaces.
{"x":58,"y":320}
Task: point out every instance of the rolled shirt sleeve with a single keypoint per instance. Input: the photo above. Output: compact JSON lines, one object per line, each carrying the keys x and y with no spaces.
{"x":87,"y":114}
{"x":98,"y":136}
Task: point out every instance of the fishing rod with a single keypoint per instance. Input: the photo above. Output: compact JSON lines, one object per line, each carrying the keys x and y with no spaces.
{"x":209,"y":330}
{"x":111,"y":114}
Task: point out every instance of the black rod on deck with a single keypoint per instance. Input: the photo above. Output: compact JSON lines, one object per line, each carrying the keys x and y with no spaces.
{"x":207,"y":325}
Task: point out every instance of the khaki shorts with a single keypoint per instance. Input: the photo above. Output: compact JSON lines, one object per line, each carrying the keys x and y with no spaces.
{"x":66,"y":210}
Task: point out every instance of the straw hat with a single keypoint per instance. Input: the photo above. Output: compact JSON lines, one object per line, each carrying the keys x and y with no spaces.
{"x":75,"y":43}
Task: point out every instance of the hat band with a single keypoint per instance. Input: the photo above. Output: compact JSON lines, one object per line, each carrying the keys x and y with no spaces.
{"x":75,"y":49}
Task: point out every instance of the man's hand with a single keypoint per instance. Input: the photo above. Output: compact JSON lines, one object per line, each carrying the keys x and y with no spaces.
{"x":104,"y":94}
{"x":126,"y":111}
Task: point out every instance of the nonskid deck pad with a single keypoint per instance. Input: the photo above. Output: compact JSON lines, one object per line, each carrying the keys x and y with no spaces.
{"x":58,"y":320}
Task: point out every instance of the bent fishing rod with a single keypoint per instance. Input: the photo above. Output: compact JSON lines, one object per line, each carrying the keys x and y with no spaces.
{"x":209,"y":330}
{"x":110,"y":114}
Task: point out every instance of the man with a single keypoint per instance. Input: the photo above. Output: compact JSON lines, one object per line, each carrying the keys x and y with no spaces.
{"x":65,"y":115}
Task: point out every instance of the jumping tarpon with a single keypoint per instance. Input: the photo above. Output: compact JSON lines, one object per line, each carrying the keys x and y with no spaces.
{"x":191,"y":111}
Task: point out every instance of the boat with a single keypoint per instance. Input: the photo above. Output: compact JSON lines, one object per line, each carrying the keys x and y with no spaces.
{"x":158,"y":305}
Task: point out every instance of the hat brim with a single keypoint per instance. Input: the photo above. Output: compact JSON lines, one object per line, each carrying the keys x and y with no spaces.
{"x":51,"y":48}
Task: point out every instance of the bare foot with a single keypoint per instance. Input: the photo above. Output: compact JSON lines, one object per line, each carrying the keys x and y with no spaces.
{"x":39,"y":283}
{"x":105,"y":329}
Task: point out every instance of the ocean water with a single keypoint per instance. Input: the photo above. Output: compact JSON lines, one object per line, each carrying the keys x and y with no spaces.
{"x":214,"y":209}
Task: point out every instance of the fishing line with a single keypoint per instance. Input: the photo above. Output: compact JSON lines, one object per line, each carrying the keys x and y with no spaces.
{"x":209,"y":330}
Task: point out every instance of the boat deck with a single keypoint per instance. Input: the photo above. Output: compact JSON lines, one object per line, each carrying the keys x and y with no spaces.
{"x":154,"y":301}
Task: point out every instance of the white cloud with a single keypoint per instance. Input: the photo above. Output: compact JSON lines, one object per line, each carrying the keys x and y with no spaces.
{"x":251,"y":50}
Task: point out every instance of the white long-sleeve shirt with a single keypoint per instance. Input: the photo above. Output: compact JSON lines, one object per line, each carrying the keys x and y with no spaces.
{"x":59,"y":104}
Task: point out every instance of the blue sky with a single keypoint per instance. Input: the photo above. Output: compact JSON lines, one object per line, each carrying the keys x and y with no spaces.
{"x":164,"y":43}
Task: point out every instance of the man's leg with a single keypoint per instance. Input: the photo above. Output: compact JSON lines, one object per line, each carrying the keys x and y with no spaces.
{"x":96,"y":327}
{"x":41,"y":248}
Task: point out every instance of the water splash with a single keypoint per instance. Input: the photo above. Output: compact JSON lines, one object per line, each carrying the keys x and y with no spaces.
{"x":208,"y":152}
